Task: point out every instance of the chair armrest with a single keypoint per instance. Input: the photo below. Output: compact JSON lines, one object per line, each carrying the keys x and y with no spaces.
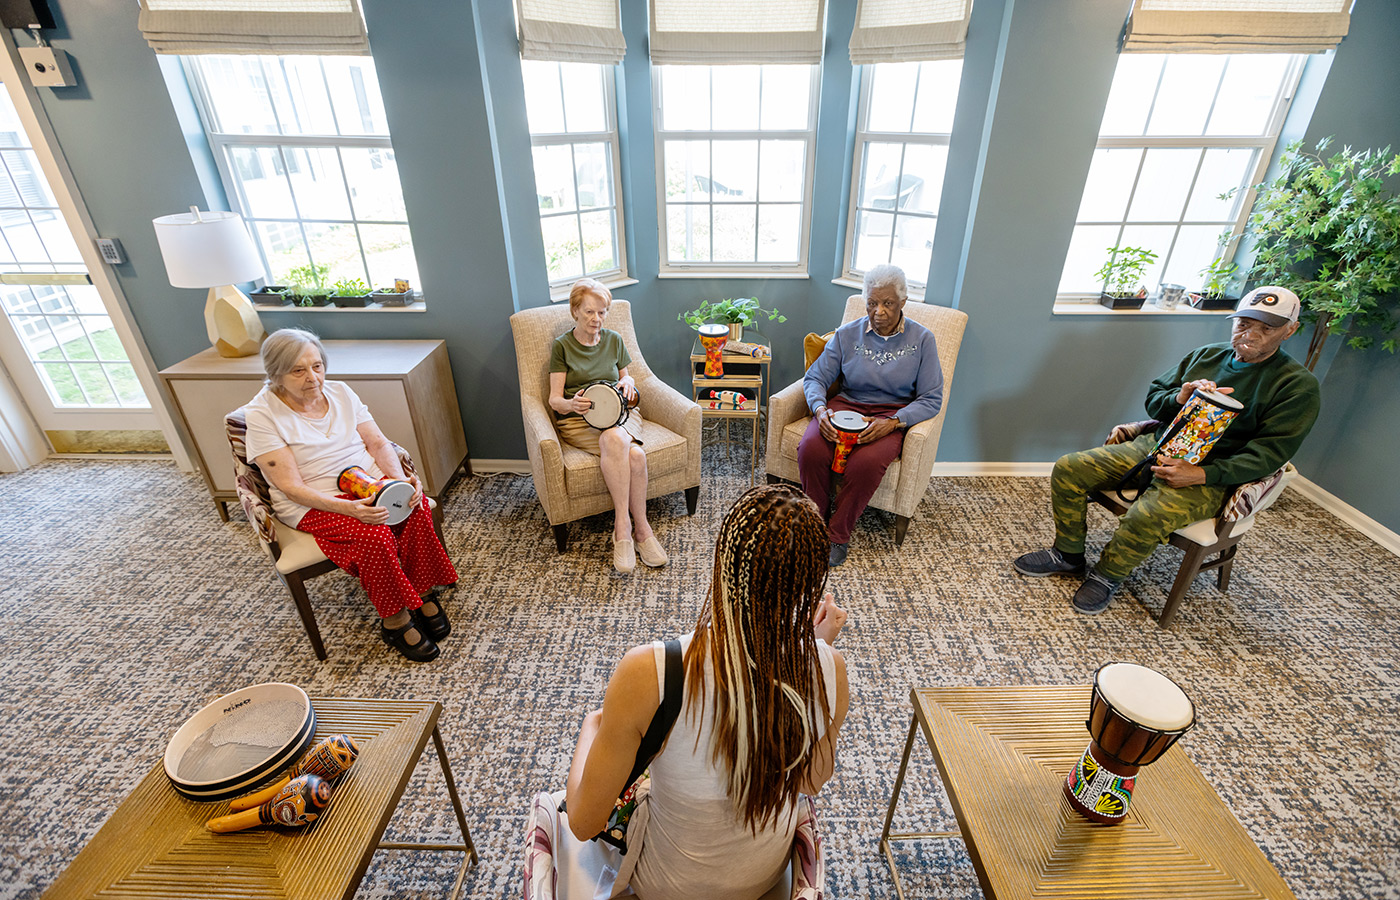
{"x":784,"y":408}
{"x":1130,"y":431}
{"x":668,"y":407}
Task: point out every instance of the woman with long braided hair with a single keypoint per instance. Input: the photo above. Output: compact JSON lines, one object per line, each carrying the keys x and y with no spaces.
{"x":765,"y":696}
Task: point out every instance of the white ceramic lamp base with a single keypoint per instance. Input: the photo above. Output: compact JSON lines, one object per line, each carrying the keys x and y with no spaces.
{"x":233,"y":325}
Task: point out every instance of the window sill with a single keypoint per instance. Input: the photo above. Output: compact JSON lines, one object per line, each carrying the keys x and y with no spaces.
{"x":561,"y":292}
{"x":729,"y":273}
{"x":1074,"y":308}
{"x":417,"y":307}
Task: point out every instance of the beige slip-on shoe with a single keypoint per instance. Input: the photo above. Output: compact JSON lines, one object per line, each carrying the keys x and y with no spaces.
{"x":624,"y":556}
{"x":652,"y":553}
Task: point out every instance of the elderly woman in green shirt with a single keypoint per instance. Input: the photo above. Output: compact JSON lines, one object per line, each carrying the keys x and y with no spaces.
{"x":589,"y":353}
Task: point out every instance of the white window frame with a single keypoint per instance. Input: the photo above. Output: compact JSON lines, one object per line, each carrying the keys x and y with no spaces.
{"x":732,"y":268}
{"x":864,"y":137}
{"x":617,"y":273}
{"x":221,"y":142}
{"x":1244,"y":200}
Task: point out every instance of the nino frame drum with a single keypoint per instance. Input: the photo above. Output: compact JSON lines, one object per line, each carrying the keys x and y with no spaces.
{"x":610,"y":405}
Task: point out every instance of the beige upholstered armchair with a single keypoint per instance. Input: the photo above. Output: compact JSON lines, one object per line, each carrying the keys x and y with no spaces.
{"x":903,"y":485}
{"x":569,"y":481}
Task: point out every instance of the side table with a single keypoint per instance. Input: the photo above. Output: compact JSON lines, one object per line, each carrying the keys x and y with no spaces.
{"x":748,"y":375}
{"x":156,"y":843}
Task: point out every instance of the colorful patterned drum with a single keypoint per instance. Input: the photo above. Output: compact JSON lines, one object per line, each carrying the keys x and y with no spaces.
{"x":1199,"y":425}
{"x":1135,"y":715}
{"x":848,"y":427}
{"x":390,"y":493}
{"x":712,"y":337}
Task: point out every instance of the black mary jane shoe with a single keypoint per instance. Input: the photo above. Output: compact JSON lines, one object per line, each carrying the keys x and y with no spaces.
{"x":436,"y":626}
{"x":423,"y":651}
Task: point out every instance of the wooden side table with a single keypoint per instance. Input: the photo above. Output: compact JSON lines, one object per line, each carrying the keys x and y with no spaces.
{"x":156,"y":843}
{"x":1003,"y":752}
{"x":748,"y":375}
{"x":407,"y":386}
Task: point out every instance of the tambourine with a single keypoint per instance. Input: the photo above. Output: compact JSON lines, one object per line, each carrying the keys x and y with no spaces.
{"x":610,"y":405}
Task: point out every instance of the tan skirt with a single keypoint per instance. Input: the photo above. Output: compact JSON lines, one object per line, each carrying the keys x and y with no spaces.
{"x":580,"y":434}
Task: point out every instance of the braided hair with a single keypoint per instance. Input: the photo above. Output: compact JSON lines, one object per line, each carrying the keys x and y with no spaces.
{"x":756,"y":631}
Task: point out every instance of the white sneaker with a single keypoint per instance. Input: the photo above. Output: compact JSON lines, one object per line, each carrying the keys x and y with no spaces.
{"x":652,"y":553}
{"x":624,"y":557}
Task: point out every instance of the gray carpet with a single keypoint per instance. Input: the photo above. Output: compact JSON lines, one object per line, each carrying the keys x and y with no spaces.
{"x":129,"y":605}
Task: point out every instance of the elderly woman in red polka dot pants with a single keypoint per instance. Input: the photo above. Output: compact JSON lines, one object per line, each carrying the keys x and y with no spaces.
{"x":303,"y":431}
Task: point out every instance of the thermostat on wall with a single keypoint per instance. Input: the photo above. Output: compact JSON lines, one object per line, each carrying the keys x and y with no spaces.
{"x":47,"y":67}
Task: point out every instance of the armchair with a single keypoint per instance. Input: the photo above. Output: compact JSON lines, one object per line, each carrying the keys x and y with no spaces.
{"x":907,"y":477}
{"x":569,"y":481}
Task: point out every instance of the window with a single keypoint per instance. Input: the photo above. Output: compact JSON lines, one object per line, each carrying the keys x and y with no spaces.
{"x":906,"y":118}
{"x":1183,"y":139}
{"x":735,"y":147}
{"x":573,"y":130}
{"x":303,"y":147}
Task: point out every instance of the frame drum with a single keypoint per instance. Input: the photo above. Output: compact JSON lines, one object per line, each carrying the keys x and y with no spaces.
{"x":610,"y":407}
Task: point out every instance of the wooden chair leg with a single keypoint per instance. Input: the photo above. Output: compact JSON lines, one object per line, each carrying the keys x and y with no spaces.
{"x":692,"y":498}
{"x":561,"y":537}
{"x":1222,"y":575}
{"x":436,"y":513}
{"x":1190,"y":567}
{"x":308,"y":615}
{"x":901,"y":525}
{"x":222,"y":507}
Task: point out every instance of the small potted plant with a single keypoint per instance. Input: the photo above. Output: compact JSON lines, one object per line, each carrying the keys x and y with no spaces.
{"x":1123,"y":277}
{"x":272,"y":295}
{"x":734,"y":313}
{"x":1217,"y":281}
{"x":392,"y":296}
{"x":309,"y":285}
{"x":350,"y":292}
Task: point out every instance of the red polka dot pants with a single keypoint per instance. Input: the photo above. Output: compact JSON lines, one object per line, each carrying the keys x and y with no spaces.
{"x":397,"y":564}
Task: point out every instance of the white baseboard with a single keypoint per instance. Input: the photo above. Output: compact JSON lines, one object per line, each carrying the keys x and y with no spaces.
{"x":999,"y":469}
{"x":1348,"y":514}
{"x":500,"y":466}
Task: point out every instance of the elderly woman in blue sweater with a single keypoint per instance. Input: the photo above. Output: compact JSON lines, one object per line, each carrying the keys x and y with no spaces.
{"x":890,"y":375}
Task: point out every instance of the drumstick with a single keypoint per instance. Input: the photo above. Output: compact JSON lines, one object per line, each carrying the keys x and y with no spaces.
{"x":328,"y":759}
{"x":300,"y":802}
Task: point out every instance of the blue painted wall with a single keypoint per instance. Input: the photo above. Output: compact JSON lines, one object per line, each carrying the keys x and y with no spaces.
{"x":1029,"y":386}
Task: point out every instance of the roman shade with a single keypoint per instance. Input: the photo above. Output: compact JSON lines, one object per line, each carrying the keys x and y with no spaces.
{"x":255,"y":26}
{"x":736,"y":32}
{"x":586,"y":31}
{"x":1236,"y":26}
{"x":909,"y":30}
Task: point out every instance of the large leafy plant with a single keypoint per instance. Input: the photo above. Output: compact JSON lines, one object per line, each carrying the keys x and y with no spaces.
{"x":1328,"y":229}
{"x":743,"y":311}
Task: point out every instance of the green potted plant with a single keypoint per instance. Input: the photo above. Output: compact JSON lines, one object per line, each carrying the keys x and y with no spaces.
{"x":272,"y":295}
{"x":391,"y":296}
{"x":1124,"y":276}
{"x":308,"y":284}
{"x":1328,"y":229}
{"x":350,"y":292}
{"x":1218,"y":281}
{"x":734,"y":313}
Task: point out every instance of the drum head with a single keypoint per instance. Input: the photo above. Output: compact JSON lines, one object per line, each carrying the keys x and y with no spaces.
{"x":607,"y":405}
{"x":397,"y":498}
{"x":845,"y":420}
{"x":1222,"y":400}
{"x":713,"y":329}
{"x":1148,"y":697}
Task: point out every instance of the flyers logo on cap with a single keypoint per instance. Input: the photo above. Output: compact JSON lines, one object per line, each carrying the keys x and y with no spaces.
{"x":1260,"y":299}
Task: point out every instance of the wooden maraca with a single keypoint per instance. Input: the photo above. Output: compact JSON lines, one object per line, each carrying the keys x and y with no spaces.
{"x":328,"y":759}
{"x":300,"y":802}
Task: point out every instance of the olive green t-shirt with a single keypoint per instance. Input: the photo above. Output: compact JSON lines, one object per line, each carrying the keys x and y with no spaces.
{"x":580,"y":364}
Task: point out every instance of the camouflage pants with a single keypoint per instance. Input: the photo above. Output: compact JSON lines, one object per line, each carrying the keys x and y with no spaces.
{"x":1158,"y":512}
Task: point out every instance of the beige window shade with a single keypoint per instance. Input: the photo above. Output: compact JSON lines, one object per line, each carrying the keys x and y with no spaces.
{"x":909,"y":30}
{"x":1236,"y":26}
{"x":587,"y":31}
{"x":255,"y":26}
{"x":729,"y":32}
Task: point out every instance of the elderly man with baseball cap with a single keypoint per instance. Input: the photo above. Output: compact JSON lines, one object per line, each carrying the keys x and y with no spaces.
{"x":1281,"y":401}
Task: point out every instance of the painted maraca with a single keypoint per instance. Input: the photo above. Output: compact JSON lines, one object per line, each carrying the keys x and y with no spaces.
{"x":301,"y":802}
{"x":328,"y":759}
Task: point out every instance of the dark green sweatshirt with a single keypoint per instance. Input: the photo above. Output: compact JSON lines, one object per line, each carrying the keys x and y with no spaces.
{"x":1281,"y":401}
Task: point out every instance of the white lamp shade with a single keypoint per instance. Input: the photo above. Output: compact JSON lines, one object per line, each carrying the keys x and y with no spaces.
{"x":207,"y":249}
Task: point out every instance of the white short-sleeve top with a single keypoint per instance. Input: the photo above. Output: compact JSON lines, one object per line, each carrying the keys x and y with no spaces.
{"x":322,"y":448}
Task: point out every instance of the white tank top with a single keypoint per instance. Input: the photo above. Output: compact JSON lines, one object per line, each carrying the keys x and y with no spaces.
{"x":696,"y":846}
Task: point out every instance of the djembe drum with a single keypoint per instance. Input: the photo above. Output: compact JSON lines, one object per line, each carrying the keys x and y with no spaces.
{"x":392,"y":494}
{"x":848,"y":427}
{"x":1199,"y":424}
{"x":712,"y":337}
{"x":1135,"y":715}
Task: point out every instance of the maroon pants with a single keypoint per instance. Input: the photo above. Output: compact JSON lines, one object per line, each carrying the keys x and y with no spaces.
{"x":864,"y":468}
{"x":397,"y":564}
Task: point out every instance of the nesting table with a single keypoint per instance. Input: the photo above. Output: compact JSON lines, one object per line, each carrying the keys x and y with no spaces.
{"x":1002,"y":753}
{"x":743,"y":374}
{"x":156,"y":845}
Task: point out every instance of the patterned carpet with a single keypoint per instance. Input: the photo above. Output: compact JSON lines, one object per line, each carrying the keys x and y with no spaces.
{"x":129,"y":605}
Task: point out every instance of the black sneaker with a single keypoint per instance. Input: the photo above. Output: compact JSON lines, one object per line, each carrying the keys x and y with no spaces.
{"x":1046,"y":562}
{"x":1095,"y":594}
{"x":838,"y":555}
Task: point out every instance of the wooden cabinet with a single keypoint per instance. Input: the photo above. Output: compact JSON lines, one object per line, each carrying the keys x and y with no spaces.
{"x":407,"y":386}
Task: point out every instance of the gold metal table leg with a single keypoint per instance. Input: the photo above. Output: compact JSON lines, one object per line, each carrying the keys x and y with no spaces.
{"x":886,"y":836}
{"x":468,"y":847}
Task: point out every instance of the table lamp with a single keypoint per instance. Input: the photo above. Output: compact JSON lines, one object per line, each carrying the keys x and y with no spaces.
{"x":213,"y":250}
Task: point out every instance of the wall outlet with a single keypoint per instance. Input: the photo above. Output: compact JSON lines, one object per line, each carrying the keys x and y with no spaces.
{"x":111,"y":250}
{"x":47,"y":67}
